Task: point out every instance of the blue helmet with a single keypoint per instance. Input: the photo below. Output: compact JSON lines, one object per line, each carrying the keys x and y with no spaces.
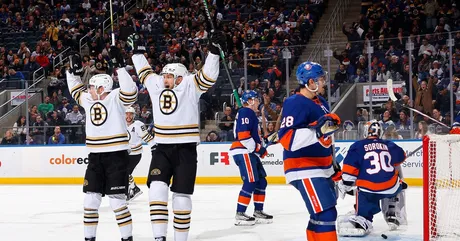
{"x":248,"y":95}
{"x":309,"y":70}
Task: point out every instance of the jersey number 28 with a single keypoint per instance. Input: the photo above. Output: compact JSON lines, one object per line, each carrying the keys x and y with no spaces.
{"x":379,"y":161}
{"x":287,"y":121}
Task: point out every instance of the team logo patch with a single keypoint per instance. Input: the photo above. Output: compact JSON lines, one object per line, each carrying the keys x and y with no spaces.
{"x":98,"y":114}
{"x":168,"y":102}
{"x":155,"y":172}
{"x":85,"y":183}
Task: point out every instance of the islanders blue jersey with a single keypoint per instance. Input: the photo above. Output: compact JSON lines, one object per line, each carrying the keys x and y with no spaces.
{"x":304,"y":157}
{"x":246,"y":132}
{"x":371,"y":164}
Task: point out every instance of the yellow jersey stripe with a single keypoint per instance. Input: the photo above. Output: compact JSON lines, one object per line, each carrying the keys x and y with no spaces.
{"x":192,"y":126}
{"x":106,"y":138}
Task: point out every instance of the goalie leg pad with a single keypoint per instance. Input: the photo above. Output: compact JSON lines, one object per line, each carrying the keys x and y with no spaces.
{"x":394,"y":210}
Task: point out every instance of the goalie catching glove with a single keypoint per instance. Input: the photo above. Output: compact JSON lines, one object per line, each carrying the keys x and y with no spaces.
{"x":325,"y":126}
{"x":76,"y":66}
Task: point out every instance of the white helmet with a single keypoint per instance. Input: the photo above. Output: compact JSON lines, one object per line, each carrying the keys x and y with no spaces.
{"x":373,"y":128}
{"x":175,"y":69}
{"x":130,"y":110}
{"x":103,"y":80}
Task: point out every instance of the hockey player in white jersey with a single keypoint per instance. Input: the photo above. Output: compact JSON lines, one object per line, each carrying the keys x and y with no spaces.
{"x":175,"y":96}
{"x":107,"y":142}
{"x":137,"y":132}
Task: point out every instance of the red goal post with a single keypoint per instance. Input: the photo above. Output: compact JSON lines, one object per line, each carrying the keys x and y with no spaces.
{"x":441,"y":187}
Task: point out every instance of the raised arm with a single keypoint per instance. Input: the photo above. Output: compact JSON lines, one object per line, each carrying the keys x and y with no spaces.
{"x":128,"y":89}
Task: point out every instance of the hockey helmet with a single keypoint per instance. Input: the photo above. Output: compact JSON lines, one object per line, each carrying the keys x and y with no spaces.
{"x":130,"y":110}
{"x":309,"y":70}
{"x":249,"y":95}
{"x":373,"y":128}
{"x":102,"y":80}
{"x":176,"y":69}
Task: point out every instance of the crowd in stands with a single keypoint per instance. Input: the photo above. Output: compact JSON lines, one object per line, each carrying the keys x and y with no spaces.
{"x":173,"y":32}
{"x":388,"y":26}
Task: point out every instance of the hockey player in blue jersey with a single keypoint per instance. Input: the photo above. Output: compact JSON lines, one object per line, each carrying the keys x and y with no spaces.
{"x":306,"y":136}
{"x":373,"y":166}
{"x":247,"y":150}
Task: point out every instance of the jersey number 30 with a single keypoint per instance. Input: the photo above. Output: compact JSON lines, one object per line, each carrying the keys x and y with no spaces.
{"x":379,"y":161}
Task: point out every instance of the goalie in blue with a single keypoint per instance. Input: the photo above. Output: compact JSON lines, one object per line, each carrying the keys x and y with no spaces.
{"x":373,"y":166}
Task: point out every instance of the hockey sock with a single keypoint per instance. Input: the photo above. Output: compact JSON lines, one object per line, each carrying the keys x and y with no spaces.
{"x":132,"y":184}
{"x":311,"y":231}
{"x":245,"y":196}
{"x":324,"y":224}
{"x":91,"y":216}
{"x":158,"y":198}
{"x":122,"y":214}
{"x":182,"y":208}
{"x":259,"y":194}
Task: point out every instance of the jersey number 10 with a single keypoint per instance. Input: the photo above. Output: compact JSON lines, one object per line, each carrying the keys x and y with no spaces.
{"x":379,"y":161}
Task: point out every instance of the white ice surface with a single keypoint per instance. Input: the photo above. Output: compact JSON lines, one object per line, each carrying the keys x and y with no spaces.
{"x":55,"y":213}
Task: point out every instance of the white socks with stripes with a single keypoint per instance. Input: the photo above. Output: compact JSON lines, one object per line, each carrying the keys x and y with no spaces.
{"x":122,"y":214}
{"x":158,"y":200}
{"x":91,"y":216}
{"x":182,"y":208}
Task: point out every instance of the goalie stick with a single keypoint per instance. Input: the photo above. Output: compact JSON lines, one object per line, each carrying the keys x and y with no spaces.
{"x":395,"y":100}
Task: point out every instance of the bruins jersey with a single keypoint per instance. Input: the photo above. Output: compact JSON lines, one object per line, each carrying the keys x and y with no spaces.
{"x":175,"y":111}
{"x":105,"y":122}
{"x":137,"y":132}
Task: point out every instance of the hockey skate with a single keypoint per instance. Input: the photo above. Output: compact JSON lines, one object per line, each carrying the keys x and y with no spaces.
{"x":90,"y":239}
{"x":162,"y":238}
{"x":262,"y":218}
{"x":127,"y":239}
{"x":242,"y":219}
{"x":353,"y":226}
{"x":134,"y":193}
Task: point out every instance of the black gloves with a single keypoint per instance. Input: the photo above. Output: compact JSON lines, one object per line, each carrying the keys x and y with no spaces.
{"x":135,"y":44}
{"x":217,"y":38}
{"x":76,"y":66}
{"x":116,"y":57}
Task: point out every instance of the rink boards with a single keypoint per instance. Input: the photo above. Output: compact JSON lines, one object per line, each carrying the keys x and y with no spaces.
{"x":66,"y":164}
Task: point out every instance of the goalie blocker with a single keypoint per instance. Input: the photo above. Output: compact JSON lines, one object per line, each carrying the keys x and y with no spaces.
{"x":373,"y":166}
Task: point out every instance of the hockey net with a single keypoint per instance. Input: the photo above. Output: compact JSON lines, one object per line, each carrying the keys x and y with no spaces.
{"x":441,"y":187}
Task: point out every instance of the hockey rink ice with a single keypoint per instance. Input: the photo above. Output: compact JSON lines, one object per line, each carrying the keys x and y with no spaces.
{"x":55,"y":213}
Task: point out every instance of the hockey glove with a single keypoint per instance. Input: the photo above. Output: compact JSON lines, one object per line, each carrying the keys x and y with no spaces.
{"x":261,"y":151}
{"x":325,"y":126}
{"x":135,"y":44}
{"x":217,"y":39}
{"x":344,"y":188}
{"x":76,"y":66}
{"x":116,"y":57}
{"x":337,"y":172}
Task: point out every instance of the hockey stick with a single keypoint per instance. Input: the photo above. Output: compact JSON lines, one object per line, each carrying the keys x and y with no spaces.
{"x":222,"y":56}
{"x":394,"y":99}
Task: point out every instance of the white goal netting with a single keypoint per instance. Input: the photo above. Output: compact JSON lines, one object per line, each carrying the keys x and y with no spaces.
{"x":441,"y":182}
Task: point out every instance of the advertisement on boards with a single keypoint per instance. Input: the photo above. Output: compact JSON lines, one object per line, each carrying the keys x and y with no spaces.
{"x":213,"y":161}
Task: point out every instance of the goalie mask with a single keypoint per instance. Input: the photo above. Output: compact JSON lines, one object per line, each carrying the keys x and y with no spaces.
{"x":101,"y":80}
{"x":373,"y":128}
{"x":176,"y":69}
